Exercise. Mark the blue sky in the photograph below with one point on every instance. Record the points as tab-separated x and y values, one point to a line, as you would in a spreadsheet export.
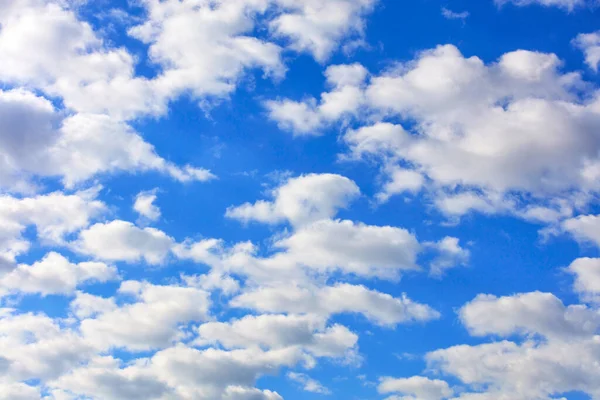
291	199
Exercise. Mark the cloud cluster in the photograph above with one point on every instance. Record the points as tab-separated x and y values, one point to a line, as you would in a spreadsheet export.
201	48
539	348
483	137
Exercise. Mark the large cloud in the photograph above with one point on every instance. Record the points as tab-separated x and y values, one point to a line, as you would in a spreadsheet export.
300	200
518	125
555	351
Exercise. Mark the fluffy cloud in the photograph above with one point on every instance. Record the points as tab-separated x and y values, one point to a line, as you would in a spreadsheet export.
485	130
310	26
585	228
300	200
54	274
587	278
455	145
378	307
528	313
54	215
589	43
450	254
47	46
272	331
93	144
152	321
36	140
181	372
144	205
307	383
122	241
559	353
415	388
309	118
351	247
19	391
202	48
34	346
320	248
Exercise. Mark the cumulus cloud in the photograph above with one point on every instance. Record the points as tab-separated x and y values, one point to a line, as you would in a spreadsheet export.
355	248
589	43
378	307
144	205
34	346
450	255
54	216
309	117
307	383
528	313
415	388
517	125
272	331
36	140
122	241
300	200
557	354
151	321
181	372
585	228
54	274
587	278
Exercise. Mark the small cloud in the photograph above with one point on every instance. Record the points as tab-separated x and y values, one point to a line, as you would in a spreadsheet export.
449	14
308	384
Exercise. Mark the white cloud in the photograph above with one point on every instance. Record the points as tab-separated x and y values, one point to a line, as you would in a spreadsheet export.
566	4
308	384
488	131
317	249
103	379
75	148
54	274
415	388
19	391
449	14
319	27
181	372
300	200
94	144
455	145
55	216
46	46
201	49
450	255
270	331
144	205
122	241
352	248
587	278
378	307
400	180
589	43
558	354
528	313
585	228
86	305
309	118
34	346
152	321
